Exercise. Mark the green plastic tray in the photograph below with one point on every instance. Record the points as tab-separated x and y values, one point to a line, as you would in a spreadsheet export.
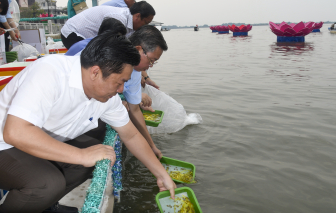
174	162
152	123
189	191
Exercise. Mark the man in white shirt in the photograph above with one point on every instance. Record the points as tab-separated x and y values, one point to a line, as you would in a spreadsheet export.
86	24
150	43
51	102
129	4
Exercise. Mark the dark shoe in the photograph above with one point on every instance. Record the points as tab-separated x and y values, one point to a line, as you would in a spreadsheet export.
58	208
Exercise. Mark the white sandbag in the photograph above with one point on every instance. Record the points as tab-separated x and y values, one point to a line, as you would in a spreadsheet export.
25	51
175	117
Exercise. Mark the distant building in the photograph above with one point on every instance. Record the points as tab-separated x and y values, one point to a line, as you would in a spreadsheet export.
31	2
50	5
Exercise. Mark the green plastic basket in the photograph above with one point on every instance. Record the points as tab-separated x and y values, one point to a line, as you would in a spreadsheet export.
189	191
174	162
153	123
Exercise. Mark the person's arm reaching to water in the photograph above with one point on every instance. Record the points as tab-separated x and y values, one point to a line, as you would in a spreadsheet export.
139	122
138	146
146	103
148	80
34	141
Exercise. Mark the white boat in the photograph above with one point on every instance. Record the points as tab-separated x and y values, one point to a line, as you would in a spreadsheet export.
332	30
157	24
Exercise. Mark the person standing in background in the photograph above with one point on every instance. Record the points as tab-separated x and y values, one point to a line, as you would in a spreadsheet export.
124	4
86	24
7	22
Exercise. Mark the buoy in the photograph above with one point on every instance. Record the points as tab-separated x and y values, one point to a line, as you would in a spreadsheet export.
242	30
291	32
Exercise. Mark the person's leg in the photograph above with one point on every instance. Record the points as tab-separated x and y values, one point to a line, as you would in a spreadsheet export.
70	40
34	184
77	174
99	132
73	174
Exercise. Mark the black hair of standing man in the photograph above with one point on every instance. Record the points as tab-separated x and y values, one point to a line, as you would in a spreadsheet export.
110	52
143	8
112	25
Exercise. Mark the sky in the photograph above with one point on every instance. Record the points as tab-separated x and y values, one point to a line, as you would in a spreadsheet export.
215	12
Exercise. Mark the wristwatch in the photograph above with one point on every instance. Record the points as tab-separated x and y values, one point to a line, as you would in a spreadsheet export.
146	77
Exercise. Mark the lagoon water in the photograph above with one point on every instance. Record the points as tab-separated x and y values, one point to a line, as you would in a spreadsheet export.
268	138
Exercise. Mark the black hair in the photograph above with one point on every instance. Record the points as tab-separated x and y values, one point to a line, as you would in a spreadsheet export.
112	25
4	6
110	52
143	8
149	38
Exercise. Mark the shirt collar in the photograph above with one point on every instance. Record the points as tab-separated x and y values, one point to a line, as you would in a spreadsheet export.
75	79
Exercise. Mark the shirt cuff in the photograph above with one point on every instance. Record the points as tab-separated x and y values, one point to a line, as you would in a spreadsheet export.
25	115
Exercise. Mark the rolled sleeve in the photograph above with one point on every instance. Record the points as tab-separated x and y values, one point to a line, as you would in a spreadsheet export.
3	19
116	115
132	88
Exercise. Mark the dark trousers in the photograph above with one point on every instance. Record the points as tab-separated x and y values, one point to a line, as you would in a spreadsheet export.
6	38
35	184
99	132
70	40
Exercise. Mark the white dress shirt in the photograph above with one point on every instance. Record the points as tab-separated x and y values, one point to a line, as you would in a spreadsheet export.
86	24
49	94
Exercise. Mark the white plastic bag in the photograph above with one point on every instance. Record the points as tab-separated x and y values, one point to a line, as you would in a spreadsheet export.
50	41
54	45
175	117
25	51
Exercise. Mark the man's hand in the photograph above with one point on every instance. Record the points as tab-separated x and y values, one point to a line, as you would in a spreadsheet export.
13	35
96	153
157	152
126	105
146	103
152	83
2	31
139	147
146	108
143	82
18	35
167	184
146	100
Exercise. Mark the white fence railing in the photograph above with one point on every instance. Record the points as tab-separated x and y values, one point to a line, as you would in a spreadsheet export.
49	28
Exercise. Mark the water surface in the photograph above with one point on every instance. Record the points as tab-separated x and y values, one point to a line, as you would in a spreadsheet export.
267	142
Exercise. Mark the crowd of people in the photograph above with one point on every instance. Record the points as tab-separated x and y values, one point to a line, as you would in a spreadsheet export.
53	114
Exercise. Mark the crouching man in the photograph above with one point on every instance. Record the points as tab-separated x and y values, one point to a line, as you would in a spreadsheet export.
47	106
